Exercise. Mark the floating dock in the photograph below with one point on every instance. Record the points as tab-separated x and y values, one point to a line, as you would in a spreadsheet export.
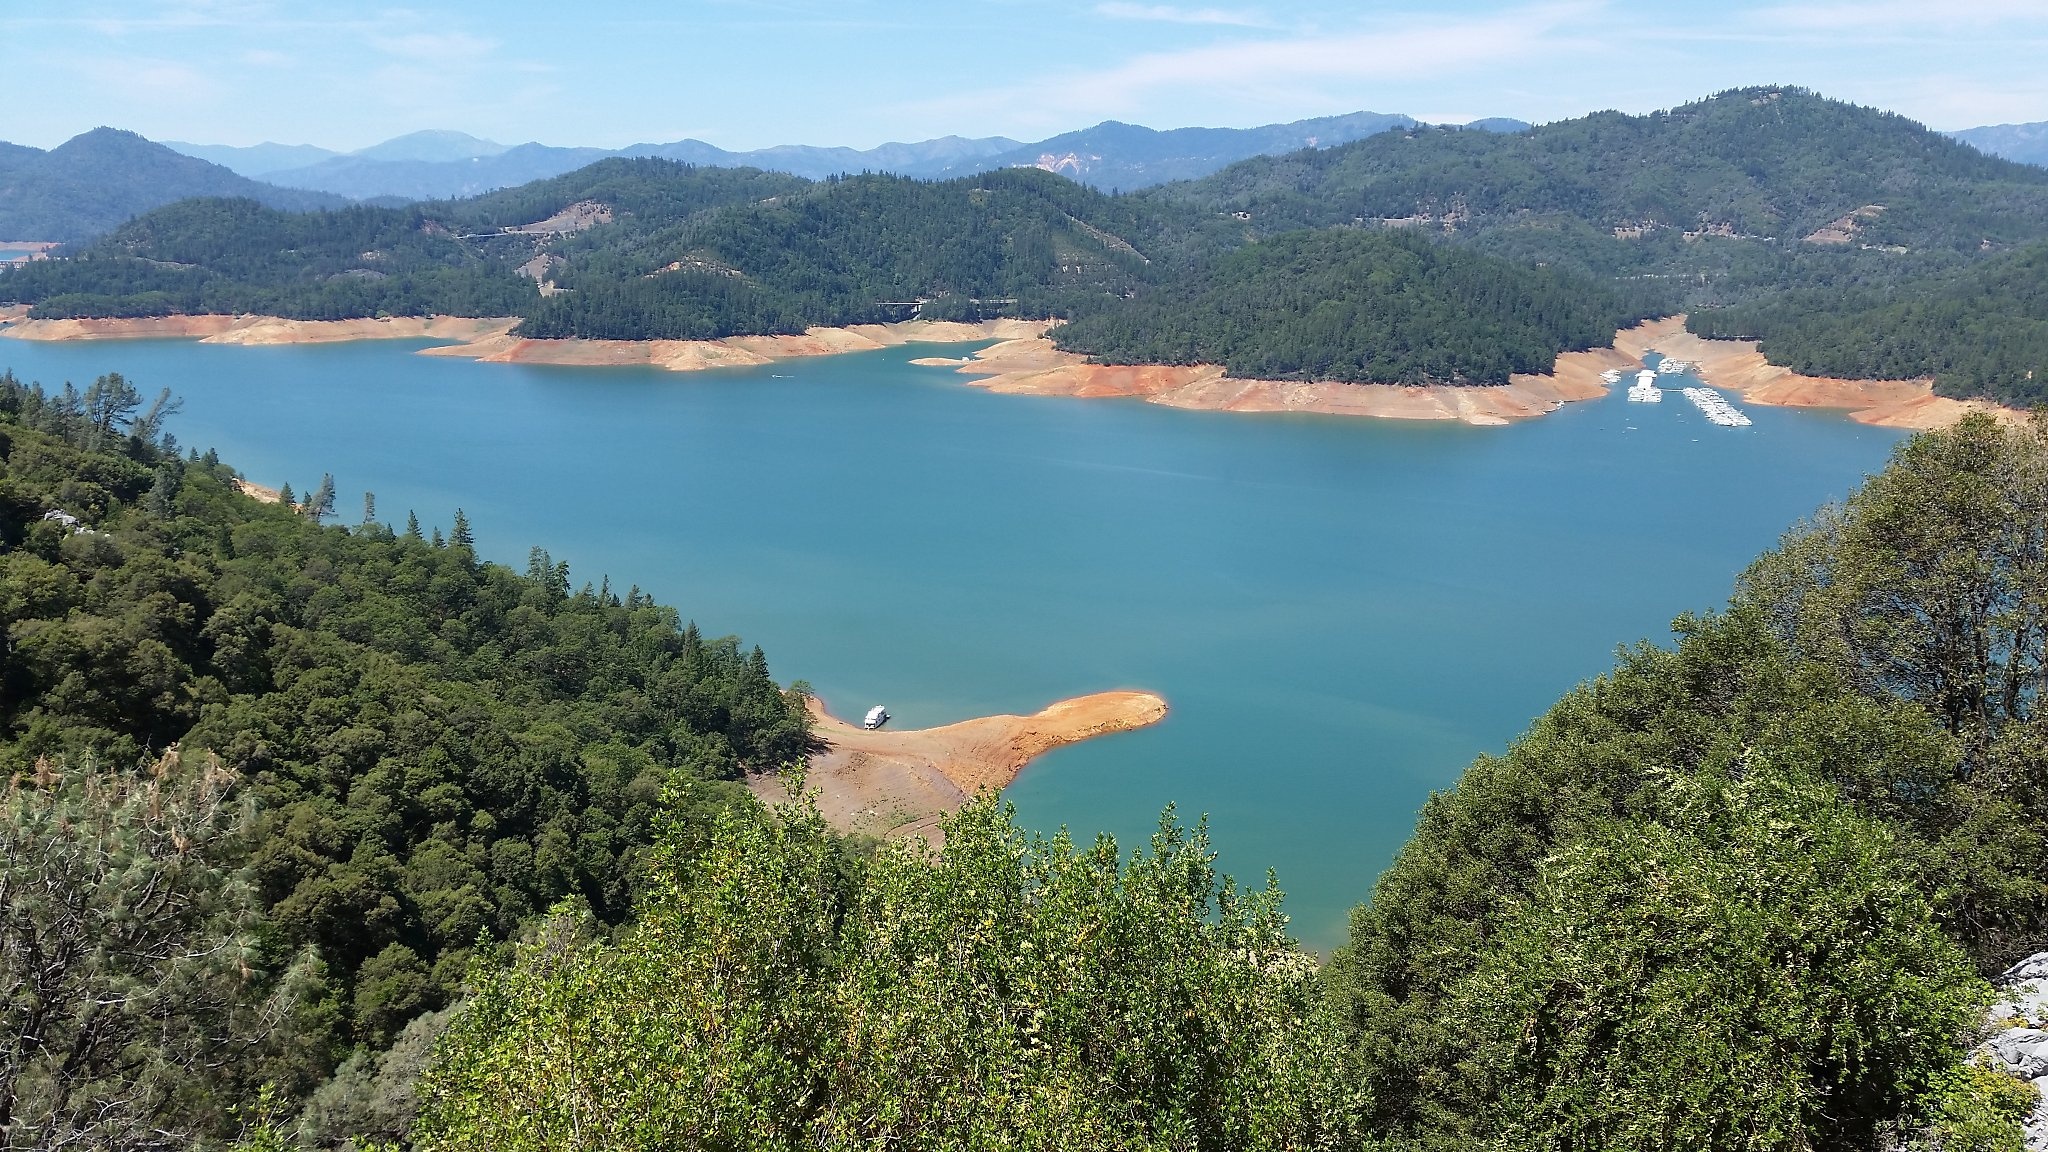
1717	408
1645	390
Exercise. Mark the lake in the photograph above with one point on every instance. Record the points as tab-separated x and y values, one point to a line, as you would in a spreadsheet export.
1342	612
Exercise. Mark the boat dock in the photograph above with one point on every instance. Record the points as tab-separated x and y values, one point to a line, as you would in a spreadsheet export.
1716	408
1645	390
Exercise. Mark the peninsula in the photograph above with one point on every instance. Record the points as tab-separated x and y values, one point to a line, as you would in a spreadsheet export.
899	782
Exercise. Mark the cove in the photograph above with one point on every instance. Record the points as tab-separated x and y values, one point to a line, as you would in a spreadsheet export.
1342	612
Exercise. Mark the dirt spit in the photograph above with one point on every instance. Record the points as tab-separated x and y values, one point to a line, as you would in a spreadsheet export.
1034	367
899	782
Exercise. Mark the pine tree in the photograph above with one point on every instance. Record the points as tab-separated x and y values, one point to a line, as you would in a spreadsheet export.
285	497
412	526
438	542
369	508
458	534
320	505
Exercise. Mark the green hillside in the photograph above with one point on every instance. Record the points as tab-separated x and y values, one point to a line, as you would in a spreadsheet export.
1979	329
1345	304
426	751
1776	164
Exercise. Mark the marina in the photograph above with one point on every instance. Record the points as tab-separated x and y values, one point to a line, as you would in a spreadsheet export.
1645	390
1717	408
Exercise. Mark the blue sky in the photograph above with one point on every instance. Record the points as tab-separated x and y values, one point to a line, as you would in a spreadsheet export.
858	72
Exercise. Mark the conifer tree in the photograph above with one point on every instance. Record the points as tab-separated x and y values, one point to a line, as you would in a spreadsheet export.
412	526
285	497
458	533
320	505
369	508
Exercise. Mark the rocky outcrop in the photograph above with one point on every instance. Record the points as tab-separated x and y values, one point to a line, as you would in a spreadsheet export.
2021	1042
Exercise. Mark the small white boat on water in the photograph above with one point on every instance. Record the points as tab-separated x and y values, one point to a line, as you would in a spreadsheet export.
876	717
1611	376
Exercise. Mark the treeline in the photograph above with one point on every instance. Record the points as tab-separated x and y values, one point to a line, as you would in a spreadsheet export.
1978	331
1764	162
1351	305
851	250
237	256
383	751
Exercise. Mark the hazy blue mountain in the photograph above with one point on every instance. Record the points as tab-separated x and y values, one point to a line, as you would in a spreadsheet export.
925	158
363	177
254	160
433	146
1500	124
99	179
442	165
2026	143
1128	156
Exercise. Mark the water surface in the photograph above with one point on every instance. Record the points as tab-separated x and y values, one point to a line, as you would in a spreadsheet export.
1342	612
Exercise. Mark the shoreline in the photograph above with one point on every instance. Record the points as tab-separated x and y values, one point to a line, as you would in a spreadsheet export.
895	782
1738	366
1022	361
1034	367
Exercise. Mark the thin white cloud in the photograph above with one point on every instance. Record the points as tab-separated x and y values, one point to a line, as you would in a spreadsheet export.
1170	14
1271	73
436	47
1856	21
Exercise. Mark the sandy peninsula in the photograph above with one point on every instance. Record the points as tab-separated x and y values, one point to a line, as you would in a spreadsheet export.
900	782
1739	367
1032	366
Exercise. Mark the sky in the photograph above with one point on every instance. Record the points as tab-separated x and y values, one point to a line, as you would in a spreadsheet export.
744	74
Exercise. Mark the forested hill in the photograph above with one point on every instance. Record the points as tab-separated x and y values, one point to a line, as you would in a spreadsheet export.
859	249
95	181
1978	330
1344	304
1774	163
1793	211
426	751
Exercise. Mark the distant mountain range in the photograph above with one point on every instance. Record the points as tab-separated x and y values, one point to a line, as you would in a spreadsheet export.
2026	143
439	165
96	181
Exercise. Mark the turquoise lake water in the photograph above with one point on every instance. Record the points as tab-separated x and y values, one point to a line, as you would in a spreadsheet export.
1342	612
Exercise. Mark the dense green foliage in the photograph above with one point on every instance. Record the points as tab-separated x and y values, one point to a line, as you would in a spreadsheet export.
854	250
1343	304
1710	206
236	256
130	1020
1788	833
437	748
98	179
1980	330
1776	163
1005	992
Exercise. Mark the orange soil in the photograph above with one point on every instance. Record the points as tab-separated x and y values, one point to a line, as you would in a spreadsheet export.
258	329
733	351
1737	365
896	782
1034	367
